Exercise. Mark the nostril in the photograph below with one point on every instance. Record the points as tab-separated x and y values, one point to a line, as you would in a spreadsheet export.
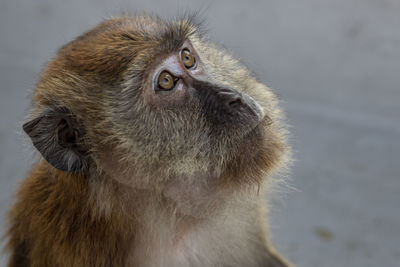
231	99
236	102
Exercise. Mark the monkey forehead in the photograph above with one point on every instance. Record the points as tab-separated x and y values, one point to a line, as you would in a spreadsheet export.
102	55
145	30
121	40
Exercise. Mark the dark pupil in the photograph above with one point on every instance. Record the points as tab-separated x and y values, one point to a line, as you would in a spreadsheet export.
187	58
166	80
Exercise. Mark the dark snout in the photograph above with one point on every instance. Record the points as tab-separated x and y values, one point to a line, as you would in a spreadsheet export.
224	104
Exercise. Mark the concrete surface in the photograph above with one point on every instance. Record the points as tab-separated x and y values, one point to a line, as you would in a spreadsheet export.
336	66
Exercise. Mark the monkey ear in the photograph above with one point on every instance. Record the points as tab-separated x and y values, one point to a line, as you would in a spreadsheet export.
56	136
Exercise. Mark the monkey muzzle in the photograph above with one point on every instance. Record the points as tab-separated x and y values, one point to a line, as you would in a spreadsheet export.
223	104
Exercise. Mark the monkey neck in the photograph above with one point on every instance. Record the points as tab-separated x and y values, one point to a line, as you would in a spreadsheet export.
155	217
199	196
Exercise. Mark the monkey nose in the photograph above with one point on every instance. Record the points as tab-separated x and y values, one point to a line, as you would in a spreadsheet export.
235	101
231	99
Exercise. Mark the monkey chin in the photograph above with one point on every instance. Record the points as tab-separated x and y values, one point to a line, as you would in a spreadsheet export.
256	154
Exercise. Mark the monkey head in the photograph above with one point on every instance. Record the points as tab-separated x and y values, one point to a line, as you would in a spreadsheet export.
150	99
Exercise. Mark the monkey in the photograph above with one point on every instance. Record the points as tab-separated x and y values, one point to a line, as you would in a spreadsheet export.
157	147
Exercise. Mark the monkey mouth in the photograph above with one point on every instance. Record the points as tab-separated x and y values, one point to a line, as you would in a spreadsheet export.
251	114
254	107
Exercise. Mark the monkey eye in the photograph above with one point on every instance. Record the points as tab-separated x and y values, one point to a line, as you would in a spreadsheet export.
166	81
188	59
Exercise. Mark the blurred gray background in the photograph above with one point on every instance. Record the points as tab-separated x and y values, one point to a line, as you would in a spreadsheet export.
335	65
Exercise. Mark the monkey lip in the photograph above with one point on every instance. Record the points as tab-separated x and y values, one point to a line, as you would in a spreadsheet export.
256	117
254	107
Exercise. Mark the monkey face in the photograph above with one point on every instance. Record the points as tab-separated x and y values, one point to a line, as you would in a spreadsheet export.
194	120
181	79
155	97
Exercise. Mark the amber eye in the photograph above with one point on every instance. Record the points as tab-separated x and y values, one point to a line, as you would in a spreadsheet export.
166	81
188	59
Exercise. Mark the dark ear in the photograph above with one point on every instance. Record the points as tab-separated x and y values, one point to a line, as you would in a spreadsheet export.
56	136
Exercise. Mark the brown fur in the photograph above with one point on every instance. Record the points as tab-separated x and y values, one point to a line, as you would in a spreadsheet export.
54	224
145	167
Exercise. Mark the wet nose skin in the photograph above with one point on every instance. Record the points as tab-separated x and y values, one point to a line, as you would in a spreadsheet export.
231	99
223	104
